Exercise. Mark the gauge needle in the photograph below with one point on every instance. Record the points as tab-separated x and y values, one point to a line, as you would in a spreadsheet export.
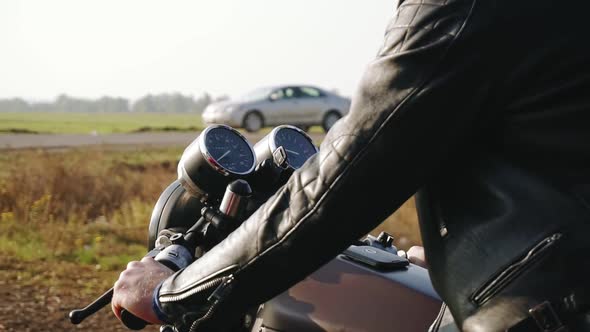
293	152
222	156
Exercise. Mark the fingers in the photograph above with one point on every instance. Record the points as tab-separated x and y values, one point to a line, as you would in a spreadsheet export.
116	309
121	287
416	256
116	306
134	289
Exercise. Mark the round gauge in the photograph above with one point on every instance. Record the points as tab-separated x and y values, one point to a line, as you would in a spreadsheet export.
297	145
229	150
218	156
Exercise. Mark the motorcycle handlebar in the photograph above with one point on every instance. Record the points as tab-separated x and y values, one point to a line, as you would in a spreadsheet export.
180	253
128	319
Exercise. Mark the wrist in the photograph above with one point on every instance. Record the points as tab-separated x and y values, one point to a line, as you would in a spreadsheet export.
157	307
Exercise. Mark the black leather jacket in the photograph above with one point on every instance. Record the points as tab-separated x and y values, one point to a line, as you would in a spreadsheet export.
484	107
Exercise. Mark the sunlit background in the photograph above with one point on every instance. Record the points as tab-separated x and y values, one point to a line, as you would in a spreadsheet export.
134	47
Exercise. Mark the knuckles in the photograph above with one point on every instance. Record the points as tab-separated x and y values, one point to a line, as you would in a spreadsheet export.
133	264
147	260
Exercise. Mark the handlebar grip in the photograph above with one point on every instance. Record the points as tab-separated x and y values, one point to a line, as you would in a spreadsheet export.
131	321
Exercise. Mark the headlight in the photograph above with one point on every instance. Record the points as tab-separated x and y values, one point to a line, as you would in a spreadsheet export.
208	110
231	108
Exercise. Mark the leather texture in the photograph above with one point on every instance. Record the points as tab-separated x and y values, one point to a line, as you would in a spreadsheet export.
511	242
457	86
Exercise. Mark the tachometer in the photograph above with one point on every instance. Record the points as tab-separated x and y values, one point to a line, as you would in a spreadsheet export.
297	144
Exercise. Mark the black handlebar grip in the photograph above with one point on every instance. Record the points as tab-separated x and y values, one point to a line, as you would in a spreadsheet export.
131	321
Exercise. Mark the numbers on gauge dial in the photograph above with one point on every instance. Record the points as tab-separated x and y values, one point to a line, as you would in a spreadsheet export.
229	150
298	147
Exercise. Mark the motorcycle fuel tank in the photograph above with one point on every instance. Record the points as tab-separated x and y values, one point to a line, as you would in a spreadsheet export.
345	295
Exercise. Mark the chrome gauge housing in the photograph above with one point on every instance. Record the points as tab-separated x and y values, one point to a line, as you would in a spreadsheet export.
219	155
297	144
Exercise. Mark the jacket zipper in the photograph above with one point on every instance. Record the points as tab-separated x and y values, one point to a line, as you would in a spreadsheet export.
435	326
215	282
498	283
216	298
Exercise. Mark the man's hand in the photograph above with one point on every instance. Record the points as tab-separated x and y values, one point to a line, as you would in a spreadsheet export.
135	287
416	256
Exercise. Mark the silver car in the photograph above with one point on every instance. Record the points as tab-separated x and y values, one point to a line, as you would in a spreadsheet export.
299	105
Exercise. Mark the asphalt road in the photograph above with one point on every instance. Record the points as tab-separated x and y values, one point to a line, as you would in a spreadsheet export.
52	141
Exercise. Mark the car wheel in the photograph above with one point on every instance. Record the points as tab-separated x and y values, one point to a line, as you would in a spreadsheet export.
253	122
330	119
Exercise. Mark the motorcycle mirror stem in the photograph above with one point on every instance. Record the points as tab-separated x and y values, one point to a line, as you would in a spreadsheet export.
235	199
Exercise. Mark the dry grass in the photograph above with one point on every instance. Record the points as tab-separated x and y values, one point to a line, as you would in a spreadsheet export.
88	206
70	221
93	206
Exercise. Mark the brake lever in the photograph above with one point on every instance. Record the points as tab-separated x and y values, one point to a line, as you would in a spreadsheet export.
130	321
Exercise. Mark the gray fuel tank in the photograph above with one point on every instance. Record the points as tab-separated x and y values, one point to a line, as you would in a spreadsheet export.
345	295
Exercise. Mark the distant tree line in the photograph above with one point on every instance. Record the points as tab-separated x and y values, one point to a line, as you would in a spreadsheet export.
168	103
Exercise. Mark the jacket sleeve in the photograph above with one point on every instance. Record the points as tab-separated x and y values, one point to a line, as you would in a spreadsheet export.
416	104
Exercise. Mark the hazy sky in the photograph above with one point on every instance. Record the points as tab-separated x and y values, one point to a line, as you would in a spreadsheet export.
129	48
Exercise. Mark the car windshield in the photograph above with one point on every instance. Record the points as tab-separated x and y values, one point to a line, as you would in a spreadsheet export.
259	93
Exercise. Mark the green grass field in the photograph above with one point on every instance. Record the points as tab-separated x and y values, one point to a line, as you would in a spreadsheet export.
100	123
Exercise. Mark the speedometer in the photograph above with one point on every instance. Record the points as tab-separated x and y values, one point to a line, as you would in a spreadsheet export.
297	144
228	150
218	156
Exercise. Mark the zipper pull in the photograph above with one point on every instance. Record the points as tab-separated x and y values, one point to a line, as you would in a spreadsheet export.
222	289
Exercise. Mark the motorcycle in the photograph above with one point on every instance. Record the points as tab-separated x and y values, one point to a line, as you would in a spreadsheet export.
222	179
